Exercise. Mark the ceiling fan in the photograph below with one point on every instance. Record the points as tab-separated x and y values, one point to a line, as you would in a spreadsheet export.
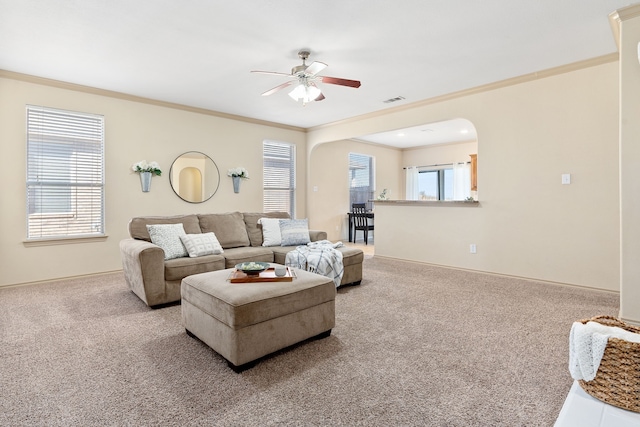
305	78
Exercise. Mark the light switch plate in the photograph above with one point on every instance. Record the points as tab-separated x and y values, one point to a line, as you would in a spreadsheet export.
566	178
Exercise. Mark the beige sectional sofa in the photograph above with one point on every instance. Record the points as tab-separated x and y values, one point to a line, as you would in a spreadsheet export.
157	281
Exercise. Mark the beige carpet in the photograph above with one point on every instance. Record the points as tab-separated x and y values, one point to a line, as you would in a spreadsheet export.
413	345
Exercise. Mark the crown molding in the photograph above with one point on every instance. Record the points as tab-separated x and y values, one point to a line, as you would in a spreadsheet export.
614	22
133	98
376	144
626	13
605	59
403	149
616	17
440	144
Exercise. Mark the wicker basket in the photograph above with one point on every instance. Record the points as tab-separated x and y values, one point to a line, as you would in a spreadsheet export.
617	381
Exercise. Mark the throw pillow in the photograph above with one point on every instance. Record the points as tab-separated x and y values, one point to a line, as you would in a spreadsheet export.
294	232
167	236
254	229
270	231
138	225
201	244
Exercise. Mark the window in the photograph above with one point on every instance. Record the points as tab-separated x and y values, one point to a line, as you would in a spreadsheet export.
65	180
452	183
435	184
361	179
279	176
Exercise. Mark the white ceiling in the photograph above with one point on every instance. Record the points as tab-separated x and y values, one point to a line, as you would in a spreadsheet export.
200	52
450	131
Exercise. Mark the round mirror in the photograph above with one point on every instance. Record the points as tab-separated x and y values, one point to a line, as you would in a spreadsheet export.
194	177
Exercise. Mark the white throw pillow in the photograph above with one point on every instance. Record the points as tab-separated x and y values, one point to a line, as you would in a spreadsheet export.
294	232
167	236
201	244
270	231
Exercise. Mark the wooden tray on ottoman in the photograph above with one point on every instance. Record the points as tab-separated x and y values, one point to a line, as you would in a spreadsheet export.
269	275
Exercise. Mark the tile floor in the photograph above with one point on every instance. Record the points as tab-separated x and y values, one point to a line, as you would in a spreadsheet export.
582	410
368	250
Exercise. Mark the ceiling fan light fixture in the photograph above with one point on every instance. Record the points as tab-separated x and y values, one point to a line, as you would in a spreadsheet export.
306	77
306	93
298	92
313	92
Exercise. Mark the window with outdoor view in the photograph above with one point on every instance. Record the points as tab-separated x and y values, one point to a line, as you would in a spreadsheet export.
361	179
444	183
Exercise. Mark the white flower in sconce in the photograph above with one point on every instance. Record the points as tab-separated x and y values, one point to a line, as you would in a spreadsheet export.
143	166
238	172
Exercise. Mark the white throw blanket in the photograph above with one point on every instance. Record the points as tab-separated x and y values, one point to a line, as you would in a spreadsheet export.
319	257
587	343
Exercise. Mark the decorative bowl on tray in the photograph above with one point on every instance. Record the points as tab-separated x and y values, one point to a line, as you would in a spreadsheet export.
252	267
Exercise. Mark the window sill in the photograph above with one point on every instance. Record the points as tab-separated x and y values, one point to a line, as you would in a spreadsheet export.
64	241
441	203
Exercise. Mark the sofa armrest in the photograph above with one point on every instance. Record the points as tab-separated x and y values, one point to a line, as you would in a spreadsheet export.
316	235
143	265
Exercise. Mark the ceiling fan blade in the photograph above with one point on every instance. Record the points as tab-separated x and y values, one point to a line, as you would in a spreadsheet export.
341	82
274	73
315	68
277	88
320	97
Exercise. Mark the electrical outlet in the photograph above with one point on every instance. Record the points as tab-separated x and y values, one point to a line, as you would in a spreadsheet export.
472	248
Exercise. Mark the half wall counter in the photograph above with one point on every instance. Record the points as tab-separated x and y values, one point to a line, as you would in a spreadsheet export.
434	232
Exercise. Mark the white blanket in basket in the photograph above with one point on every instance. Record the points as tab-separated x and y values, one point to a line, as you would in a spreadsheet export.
320	257
587	343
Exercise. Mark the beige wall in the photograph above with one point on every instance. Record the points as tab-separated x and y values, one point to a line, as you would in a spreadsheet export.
527	224
329	172
133	131
439	154
630	164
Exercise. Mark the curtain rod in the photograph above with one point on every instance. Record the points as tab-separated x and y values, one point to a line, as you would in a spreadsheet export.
437	164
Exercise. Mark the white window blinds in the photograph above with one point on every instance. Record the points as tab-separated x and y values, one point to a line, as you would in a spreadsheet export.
65	179
279	177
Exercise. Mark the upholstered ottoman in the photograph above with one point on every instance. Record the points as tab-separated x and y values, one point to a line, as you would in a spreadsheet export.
246	321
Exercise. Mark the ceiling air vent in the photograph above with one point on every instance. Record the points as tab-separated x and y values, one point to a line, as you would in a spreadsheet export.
390	100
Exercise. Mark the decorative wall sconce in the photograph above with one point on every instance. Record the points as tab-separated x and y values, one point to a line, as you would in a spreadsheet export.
237	174
146	171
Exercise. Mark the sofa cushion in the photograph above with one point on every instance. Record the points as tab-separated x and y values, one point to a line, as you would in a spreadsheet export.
294	232
350	256
167	236
229	228
138	225
234	256
201	244
179	268
254	230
